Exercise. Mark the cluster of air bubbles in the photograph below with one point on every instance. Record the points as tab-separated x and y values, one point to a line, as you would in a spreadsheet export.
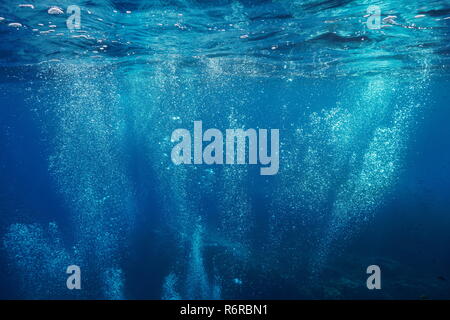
38	255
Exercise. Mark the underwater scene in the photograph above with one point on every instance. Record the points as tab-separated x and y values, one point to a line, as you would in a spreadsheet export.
227	149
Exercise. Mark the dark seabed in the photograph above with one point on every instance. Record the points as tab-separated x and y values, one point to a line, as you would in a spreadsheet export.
87	179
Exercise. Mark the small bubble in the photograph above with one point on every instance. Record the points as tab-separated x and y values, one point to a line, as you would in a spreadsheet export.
15	25
26	6
55	10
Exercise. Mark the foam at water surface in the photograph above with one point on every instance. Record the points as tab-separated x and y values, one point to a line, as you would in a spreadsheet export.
278	38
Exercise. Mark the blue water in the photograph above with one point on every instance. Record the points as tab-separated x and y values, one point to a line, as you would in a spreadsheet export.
86	117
